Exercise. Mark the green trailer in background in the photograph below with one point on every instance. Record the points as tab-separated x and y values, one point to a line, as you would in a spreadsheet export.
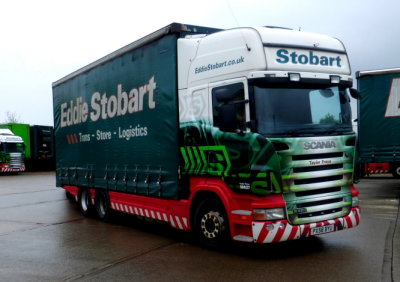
39	144
379	120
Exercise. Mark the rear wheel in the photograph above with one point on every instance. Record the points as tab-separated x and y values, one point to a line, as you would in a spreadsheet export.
211	224
84	202
395	168
102	204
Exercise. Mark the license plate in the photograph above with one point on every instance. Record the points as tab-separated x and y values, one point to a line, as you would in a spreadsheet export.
322	229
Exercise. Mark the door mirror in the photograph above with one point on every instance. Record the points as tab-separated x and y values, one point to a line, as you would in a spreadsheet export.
354	93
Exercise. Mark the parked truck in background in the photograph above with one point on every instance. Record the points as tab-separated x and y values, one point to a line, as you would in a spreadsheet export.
379	121
243	133
11	152
39	144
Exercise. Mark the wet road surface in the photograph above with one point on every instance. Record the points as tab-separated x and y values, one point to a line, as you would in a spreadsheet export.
43	237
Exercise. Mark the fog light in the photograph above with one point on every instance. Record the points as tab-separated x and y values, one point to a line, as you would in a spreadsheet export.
270	227
282	225
269	214
294	77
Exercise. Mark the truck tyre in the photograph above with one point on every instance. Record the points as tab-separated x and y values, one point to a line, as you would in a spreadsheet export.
84	202
395	168
102	204
211	224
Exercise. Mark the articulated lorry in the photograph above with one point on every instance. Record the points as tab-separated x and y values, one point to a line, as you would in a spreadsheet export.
379	121
11	152
39	144
240	134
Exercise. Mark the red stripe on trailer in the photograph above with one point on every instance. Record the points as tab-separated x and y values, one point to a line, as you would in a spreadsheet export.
73	190
169	211
377	168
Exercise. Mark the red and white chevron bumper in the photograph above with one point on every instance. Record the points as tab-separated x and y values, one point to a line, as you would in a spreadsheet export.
278	231
12	169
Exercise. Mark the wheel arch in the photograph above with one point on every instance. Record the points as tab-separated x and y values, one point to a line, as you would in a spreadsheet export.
216	190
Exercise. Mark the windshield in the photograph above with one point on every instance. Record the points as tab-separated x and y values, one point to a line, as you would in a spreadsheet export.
301	111
12	147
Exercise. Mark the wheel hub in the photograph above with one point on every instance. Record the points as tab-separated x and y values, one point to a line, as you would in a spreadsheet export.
211	224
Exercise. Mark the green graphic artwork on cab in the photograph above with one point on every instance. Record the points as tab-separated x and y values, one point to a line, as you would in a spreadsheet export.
246	162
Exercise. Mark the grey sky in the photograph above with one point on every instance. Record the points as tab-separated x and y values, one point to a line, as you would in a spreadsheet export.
42	41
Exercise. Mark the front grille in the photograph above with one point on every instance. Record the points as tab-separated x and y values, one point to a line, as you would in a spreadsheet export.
313	209
317	186
318	192
320	213
317	203
317	156
15	160
318	180
316	168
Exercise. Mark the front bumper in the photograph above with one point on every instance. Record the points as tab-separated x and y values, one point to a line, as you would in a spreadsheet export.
12	169
281	230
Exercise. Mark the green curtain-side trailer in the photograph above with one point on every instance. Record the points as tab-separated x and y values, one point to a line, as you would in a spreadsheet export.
131	132
379	118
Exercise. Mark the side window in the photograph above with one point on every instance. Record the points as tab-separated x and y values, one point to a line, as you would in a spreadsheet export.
228	104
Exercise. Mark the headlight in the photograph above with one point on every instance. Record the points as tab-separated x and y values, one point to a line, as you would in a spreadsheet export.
356	202
269	214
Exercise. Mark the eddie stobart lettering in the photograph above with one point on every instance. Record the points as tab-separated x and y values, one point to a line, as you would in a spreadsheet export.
218	65
310	58
105	106
313	145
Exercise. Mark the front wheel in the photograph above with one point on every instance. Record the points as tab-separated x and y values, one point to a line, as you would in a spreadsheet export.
211	224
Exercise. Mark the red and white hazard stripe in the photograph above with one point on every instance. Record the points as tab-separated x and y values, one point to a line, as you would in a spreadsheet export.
377	168
378	171
267	232
174	220
11	169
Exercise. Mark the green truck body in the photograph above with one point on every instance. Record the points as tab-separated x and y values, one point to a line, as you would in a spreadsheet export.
243	132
